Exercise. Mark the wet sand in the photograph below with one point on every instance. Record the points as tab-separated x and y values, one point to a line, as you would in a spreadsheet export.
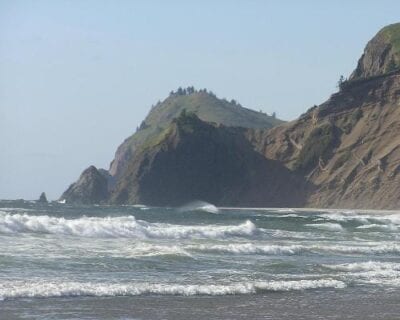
319	304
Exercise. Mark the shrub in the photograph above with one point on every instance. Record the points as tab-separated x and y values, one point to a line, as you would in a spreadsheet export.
317	144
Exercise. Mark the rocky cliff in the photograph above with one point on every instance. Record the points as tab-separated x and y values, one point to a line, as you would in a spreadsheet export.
194	160
349	146
91	188
343	153
381	55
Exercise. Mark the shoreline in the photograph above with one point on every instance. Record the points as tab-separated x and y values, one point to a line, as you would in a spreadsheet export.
352	304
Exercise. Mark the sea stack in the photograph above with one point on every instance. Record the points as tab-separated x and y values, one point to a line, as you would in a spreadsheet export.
42	198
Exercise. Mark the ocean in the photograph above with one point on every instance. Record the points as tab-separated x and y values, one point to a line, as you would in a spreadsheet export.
60	261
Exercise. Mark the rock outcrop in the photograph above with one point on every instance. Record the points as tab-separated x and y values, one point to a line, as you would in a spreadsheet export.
91	188
42	199
381	55
194	160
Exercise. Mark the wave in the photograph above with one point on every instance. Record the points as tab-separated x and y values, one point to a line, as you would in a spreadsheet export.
118	227
367	249
365	266
41	289
271	249
142	249
383	227
370	272
328	226
199	206
384	218
248	248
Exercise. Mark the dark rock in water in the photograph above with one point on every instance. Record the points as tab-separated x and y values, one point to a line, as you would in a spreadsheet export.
42	198
91	188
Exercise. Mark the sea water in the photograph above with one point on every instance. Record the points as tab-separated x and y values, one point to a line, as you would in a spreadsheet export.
135	262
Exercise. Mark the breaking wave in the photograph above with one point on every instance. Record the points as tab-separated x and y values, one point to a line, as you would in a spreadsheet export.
127	227
382	227
19	289
365	266
386	219
274	249
248	248
370	272
366	249
199	206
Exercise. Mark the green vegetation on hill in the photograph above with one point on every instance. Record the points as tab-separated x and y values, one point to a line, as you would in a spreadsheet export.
205	104
381	57
208	107
391	34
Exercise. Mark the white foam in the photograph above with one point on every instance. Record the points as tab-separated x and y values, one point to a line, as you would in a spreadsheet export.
370	272
328	226
383	218
286	210
199	206
362	249
384	227
248	248
365	266
16	289
143	249
273	249
126	226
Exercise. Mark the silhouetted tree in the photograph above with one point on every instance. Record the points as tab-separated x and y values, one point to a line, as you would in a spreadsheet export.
190	90
342	82
143	125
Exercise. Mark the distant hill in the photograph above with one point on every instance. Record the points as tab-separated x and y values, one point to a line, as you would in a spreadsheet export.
205	104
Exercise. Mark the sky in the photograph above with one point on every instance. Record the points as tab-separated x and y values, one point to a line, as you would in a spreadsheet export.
77	77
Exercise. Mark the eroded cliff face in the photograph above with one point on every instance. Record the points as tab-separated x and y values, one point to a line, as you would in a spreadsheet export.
348	147
195	160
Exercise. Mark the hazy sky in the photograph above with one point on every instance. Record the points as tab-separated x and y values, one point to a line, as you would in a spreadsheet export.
77	77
